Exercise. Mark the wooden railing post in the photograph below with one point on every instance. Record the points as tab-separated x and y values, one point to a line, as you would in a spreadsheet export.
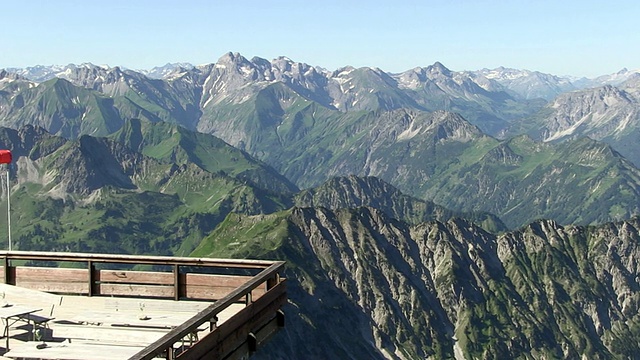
273	281
170	354
176	282
252	342
91	268
7	270
213	323
280	318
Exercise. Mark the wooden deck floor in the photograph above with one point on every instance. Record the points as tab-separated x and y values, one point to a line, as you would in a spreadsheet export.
96	327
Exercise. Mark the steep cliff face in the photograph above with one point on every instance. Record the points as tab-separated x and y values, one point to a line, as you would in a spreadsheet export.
365	286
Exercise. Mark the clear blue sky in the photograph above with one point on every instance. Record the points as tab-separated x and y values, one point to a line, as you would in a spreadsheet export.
571	37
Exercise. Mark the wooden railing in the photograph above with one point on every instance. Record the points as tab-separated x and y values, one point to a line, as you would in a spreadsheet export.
241	334
255	283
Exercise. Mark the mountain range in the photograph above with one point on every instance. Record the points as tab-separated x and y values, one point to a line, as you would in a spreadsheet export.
255	94
424	214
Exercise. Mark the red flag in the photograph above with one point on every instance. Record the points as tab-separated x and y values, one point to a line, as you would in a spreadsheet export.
5	157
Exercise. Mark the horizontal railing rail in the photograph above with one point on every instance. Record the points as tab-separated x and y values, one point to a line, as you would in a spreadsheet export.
133	259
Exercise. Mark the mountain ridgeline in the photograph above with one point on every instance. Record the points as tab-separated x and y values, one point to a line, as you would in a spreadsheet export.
426	214
374	287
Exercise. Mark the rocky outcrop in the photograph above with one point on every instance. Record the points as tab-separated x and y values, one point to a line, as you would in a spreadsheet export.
364	285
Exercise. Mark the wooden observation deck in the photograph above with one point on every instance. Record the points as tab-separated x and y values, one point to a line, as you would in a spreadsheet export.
100	306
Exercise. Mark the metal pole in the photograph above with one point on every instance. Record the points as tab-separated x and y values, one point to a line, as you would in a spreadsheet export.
8	208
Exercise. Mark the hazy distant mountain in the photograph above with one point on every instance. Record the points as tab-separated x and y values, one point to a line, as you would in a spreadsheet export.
607	79
59	107
482	101
196	96
191	96
529	84
12	83
607	113
166	71
95	101
41	73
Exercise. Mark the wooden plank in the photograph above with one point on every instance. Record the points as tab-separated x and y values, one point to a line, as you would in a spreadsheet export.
134	290
193	286
17	294
268	331
135	277
46	274
131	319
56	287
108	334
71	351
127	304
206	286
215	293
204	293
240	353
233	281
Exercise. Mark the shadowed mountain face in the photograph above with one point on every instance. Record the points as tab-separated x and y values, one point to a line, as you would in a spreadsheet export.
373	287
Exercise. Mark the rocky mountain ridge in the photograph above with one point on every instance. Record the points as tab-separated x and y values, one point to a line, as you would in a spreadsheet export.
378	288
235	97
526	83
607	113
234	79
